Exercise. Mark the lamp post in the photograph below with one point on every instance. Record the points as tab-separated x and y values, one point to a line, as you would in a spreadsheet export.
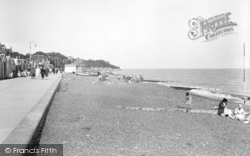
30	47
244	74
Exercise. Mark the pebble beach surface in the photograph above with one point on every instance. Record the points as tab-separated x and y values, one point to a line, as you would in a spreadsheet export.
84	118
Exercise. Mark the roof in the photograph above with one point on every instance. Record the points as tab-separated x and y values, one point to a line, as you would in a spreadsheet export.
70	65
38	57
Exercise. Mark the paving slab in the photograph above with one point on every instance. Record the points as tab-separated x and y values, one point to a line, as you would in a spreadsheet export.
18	97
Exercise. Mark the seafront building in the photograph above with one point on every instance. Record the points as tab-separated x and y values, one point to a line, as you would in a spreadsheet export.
70	68
9	66
40	60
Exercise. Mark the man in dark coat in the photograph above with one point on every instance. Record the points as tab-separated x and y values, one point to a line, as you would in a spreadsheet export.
42	72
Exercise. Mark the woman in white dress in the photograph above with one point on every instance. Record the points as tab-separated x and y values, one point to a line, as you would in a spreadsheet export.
240	113
38	71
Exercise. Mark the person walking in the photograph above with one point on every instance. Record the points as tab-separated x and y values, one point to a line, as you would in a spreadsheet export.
42	72
46	72
38	71
32	72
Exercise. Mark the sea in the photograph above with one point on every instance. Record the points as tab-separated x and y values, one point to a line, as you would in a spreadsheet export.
211	83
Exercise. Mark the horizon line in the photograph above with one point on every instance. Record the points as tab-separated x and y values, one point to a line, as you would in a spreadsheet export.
180	68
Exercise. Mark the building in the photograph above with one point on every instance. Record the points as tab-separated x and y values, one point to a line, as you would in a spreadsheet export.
70	68
40	60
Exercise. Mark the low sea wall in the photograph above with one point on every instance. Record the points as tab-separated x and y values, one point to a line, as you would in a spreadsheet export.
27	132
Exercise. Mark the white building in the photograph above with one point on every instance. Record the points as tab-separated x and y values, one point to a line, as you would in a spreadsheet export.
70	68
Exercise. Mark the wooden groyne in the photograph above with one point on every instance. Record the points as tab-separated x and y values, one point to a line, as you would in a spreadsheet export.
180	109
155	81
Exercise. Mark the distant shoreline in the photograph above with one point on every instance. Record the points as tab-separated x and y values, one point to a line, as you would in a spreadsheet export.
209	83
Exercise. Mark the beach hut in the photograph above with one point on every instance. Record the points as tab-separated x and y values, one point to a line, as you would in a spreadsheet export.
3	68
8	65
21	63
12	65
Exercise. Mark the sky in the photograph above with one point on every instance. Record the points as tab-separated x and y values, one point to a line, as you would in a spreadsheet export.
134	34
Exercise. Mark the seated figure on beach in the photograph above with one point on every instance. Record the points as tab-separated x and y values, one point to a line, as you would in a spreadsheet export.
228	113
222	106
223	110
240	113
188	98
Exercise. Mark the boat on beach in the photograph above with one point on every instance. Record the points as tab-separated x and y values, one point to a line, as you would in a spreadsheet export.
210	93
87	74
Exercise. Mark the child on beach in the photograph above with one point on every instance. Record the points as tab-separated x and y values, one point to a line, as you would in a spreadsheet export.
188	98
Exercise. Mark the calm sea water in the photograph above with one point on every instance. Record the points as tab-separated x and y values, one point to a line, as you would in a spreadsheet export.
229	81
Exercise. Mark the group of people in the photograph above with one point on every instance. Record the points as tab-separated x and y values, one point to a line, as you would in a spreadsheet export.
35	72
132	79
239	112
39	71
102	78
128	79
18	73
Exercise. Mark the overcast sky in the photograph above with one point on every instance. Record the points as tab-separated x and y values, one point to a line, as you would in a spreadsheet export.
127	33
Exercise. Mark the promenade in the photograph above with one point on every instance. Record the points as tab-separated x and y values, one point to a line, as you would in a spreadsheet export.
18	97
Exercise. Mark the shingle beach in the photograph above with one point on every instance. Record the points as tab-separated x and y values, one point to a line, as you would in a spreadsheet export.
90	119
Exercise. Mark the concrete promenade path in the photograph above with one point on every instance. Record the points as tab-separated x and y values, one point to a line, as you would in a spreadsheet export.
17	97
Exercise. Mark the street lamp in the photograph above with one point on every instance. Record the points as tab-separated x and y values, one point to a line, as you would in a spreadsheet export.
30	47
